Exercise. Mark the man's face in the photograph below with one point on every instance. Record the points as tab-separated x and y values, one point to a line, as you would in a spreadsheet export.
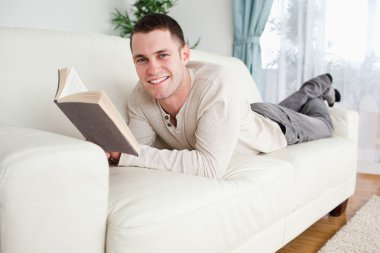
160	62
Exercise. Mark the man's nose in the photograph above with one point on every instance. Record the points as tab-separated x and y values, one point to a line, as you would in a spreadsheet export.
153	67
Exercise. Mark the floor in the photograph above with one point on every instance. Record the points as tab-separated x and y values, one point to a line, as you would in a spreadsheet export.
320	232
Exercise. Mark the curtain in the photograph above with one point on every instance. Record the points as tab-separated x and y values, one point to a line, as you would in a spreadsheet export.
305	38
250	17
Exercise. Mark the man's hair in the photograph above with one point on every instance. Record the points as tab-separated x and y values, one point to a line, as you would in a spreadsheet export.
157	21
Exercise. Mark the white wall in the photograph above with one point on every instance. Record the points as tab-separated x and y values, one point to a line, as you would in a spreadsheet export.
70	15
211	20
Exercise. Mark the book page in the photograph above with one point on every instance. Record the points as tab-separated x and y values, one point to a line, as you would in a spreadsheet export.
73	84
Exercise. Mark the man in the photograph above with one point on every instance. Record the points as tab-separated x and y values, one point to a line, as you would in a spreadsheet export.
196	110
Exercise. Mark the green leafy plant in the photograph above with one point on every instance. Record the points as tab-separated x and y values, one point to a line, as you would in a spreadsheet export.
195	45
140	8
125	22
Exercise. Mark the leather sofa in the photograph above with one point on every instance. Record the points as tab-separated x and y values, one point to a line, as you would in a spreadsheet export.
58	194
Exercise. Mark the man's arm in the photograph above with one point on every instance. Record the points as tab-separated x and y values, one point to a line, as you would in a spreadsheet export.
139	126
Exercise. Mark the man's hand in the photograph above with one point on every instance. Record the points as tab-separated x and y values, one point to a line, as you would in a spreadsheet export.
113	158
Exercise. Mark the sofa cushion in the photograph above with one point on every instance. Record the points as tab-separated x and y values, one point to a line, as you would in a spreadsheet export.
328	162
150	209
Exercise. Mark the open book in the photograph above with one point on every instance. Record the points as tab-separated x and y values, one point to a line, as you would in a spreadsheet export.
93	114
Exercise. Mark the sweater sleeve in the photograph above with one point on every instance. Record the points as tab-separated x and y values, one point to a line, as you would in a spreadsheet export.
138	124
216	135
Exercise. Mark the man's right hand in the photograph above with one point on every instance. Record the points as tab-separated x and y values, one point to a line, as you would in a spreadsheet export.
113	158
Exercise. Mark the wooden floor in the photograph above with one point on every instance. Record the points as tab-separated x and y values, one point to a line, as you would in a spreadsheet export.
320	232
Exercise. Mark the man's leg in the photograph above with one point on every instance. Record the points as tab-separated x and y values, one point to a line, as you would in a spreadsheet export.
317	109
296	126
303	116
314	88
313	121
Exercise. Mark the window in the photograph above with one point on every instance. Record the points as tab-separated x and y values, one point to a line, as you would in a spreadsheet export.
305	38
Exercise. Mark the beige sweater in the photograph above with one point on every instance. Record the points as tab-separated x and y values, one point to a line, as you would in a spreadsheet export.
213	123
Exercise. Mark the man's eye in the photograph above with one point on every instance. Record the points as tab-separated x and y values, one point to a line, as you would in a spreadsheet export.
140	60
163	55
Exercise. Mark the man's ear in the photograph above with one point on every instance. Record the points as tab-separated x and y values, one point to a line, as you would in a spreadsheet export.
185	54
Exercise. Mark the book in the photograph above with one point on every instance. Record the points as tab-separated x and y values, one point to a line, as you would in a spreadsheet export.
93	114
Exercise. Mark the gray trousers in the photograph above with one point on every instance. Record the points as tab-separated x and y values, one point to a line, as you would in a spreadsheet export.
303	116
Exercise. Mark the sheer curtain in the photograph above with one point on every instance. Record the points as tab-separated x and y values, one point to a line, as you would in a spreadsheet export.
305	38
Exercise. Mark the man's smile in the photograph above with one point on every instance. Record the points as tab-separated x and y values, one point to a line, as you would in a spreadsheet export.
158	80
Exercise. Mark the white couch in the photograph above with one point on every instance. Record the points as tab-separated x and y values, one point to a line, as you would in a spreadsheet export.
57	193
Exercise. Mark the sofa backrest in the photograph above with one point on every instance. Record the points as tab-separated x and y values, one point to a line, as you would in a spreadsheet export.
29	63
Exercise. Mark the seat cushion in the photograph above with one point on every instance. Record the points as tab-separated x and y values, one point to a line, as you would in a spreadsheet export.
156	211
319	165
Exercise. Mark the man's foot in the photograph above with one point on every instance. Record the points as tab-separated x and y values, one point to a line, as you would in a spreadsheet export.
332	96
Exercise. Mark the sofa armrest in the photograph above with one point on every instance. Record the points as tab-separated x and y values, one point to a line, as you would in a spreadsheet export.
346	123
53	193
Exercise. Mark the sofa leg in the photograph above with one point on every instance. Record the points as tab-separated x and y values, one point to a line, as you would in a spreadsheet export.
339	210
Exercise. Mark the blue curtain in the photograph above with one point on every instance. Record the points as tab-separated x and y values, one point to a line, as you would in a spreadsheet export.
250	17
